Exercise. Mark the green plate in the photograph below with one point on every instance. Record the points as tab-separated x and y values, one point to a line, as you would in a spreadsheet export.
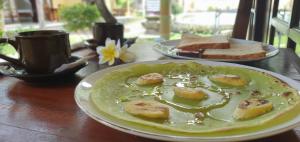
101	102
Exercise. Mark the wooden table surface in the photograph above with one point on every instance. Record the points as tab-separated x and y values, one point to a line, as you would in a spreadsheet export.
47	111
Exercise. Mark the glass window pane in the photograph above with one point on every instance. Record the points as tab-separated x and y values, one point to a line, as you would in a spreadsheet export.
285	10
203	17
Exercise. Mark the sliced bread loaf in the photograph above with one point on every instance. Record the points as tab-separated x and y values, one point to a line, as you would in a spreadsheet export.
191	42
237	51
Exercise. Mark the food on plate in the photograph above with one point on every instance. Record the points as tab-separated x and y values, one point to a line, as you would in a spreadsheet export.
236	51
228	79
186	53
219	47
251	108
174	106
150	78
191	42
147	109
190	93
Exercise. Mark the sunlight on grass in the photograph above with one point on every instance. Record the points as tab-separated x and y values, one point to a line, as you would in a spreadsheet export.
7	49
175	36
76	38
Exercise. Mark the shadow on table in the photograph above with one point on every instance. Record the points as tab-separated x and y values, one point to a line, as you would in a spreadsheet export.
290	136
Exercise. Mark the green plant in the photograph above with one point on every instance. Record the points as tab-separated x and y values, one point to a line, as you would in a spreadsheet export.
6	48
122	3
1	17
79	16
176	8
211	8
2	4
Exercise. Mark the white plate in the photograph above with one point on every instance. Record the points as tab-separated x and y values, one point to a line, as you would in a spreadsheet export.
82	97
168	48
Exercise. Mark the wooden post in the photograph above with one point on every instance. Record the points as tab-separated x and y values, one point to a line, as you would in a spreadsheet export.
261	26
165	19
128	7
242	19
40	13
13	11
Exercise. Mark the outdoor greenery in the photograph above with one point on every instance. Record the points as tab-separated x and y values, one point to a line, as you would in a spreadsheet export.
6	48
122	3
79	16
176	8
1	17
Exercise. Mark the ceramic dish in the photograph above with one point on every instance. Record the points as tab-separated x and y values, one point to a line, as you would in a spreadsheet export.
83	99
13	71
168	48
92	43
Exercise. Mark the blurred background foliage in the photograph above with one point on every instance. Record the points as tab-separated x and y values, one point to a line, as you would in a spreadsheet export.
79	16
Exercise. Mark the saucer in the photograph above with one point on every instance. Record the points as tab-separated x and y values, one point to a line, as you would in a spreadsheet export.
92	43
13	71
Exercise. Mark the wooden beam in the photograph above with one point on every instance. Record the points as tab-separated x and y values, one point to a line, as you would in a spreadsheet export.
165	19
40	13
262	14
294	34
34	11
274	14
294	22
280	25
242	19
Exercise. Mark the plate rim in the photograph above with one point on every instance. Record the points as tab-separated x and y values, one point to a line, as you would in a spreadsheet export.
268	54
242	137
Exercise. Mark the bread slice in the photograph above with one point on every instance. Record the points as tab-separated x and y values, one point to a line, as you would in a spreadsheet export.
237	51
191	42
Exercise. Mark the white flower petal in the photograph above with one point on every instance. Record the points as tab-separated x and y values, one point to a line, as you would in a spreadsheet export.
111	62
117	53
128	57
119	45
98	49
107	41
102	60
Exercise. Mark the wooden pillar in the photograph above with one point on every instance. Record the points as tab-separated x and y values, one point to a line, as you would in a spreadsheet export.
128	7
13	11
274	14
242	19
165	19
34	11
295	18
40	13
144	7
262	16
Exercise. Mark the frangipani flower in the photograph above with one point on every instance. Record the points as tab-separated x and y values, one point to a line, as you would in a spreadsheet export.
126	56
112	51
109	52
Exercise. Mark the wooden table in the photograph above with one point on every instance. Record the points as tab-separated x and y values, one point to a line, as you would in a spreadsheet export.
47	112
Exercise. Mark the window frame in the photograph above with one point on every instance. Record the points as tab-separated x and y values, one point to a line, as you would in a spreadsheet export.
291	28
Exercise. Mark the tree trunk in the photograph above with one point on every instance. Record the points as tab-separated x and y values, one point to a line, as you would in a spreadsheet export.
108	17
